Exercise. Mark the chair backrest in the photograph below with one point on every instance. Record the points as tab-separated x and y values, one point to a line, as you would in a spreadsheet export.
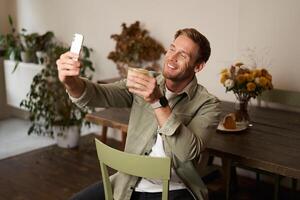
284	97
135	165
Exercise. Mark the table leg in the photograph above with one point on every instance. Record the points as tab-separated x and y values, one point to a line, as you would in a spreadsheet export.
124	135
104	134
257	179
294	184
277	186
294	188
210	160
226	168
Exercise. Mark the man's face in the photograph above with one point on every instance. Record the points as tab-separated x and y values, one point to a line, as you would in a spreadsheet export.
179	62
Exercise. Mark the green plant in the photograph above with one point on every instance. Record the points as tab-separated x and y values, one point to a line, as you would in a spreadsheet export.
48	103
14	43
43	41
11	43
134	47
34	42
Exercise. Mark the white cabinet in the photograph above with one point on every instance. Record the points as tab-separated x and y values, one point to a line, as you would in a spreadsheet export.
17	84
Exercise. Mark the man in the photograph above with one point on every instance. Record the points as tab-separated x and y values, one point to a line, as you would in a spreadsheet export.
171	115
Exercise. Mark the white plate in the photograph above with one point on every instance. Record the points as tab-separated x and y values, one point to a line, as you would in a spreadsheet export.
239	127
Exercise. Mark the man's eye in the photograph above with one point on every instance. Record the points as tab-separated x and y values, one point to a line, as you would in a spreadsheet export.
182	55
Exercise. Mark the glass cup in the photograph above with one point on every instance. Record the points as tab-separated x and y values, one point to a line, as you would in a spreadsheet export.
137	70
132	71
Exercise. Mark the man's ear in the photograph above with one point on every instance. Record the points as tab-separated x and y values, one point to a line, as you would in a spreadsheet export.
199	67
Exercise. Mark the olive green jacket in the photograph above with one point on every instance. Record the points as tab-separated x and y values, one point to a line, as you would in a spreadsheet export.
194	116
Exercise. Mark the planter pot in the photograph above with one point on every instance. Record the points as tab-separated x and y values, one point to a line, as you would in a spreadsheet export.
67	137
26	56
17	84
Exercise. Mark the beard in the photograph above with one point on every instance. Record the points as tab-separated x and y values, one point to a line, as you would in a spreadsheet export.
178	75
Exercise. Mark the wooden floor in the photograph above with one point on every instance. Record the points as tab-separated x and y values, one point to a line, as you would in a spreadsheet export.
53	173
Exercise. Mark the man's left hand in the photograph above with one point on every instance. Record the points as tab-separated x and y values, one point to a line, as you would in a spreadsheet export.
144	86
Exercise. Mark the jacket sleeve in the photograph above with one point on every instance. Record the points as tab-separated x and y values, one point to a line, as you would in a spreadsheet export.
186	142
104	95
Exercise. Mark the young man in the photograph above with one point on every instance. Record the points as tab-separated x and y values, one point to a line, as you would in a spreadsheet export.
171	115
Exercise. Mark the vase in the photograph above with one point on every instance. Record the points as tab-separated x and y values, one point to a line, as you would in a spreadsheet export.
26	56
67	137
241	113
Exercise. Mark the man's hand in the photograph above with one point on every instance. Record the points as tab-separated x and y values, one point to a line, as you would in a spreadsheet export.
68	67
68	73
144	86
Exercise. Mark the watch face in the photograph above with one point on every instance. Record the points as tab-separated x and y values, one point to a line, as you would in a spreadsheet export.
163	101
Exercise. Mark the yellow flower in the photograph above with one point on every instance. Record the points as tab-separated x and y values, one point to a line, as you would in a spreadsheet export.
240	79
256	73
251	86
224	71
263	82
249	77
264	72
269	85
224	77
269	77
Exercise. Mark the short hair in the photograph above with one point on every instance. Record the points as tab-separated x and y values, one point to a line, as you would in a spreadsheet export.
203	43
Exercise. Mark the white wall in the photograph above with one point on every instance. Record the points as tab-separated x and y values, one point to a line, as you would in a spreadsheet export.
230	25
97	20
273	28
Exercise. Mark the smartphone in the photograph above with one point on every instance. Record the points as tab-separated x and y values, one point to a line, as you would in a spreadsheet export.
76	43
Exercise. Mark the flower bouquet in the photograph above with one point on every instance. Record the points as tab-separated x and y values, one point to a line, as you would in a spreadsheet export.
245	83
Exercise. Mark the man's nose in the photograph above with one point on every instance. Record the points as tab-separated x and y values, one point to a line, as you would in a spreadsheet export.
174	56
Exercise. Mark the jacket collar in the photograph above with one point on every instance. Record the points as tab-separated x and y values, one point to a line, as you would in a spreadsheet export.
189	90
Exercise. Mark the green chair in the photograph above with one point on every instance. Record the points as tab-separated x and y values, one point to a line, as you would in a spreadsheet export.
135	165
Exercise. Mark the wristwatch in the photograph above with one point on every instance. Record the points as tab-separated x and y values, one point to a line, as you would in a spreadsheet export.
162	102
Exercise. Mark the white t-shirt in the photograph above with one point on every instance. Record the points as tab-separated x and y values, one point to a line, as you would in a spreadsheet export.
150	185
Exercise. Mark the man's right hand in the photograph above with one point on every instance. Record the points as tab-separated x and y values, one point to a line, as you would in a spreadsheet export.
68	68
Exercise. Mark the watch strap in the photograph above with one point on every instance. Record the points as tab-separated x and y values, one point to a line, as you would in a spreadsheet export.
162	102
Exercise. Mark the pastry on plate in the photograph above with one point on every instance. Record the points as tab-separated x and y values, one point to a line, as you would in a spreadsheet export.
229	121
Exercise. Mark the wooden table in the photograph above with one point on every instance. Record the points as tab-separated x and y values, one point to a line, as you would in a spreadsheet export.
112	117
272	144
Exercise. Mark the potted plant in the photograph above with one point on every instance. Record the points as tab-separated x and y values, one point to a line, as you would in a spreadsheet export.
11	43
28	42
20	47
246	83
50	108
135	48
34	46
41	46
24	46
